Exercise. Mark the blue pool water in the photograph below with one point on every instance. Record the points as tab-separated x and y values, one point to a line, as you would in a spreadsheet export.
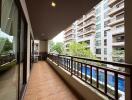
110	78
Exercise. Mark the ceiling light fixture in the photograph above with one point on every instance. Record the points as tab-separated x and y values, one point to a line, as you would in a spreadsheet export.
53	4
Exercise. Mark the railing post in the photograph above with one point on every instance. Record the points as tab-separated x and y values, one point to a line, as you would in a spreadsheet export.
58	60
71	65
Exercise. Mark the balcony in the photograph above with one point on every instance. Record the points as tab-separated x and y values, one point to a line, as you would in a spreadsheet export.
89	30
115	21
79	33
93	73
90	22
70	37
118	44
89	15
45	84
119	31
69	33
116	9
80	27
112	2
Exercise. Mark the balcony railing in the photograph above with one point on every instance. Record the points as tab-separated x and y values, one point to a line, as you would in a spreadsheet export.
95	73
6	58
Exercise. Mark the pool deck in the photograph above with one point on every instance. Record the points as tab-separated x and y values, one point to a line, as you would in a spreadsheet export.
45	84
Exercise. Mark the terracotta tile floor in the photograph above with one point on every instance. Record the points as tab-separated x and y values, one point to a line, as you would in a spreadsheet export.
45	84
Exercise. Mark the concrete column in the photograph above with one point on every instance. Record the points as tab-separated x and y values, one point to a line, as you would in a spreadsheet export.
128	45
28	53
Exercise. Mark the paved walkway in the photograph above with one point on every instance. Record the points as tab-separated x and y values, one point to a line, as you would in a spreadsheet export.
45	84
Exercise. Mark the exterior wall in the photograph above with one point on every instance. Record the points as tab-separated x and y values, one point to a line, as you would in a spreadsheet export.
43	46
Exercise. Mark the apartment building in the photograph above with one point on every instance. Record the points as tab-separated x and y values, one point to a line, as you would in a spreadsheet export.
117	29
69	36
86	30
103	38
102	29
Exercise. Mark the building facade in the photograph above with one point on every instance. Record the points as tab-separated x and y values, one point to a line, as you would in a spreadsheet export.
117	29
86	30
102	29
69	36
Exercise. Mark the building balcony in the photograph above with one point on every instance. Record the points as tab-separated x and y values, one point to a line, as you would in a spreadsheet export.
69	38
89	23
90	74
89	15
112	2
79	33
115	21
116	9
45	84
118	44
91	30
79	21
68	34
80	27
119	31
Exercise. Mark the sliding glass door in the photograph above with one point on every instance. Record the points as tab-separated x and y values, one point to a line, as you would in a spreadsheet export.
13	51
9	51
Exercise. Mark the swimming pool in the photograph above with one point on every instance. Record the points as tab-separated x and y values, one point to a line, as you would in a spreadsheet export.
110	78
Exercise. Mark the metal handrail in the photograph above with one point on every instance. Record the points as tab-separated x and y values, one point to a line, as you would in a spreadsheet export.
79	69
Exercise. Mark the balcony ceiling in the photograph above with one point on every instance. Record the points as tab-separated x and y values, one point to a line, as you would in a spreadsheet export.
48	21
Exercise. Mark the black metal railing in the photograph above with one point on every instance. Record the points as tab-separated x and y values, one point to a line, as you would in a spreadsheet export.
6	58
96	73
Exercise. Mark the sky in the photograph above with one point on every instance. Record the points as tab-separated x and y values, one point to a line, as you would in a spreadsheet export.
59	37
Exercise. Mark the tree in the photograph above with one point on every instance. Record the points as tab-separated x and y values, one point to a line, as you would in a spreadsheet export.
57	48
50	45
2	43
8	46
80	50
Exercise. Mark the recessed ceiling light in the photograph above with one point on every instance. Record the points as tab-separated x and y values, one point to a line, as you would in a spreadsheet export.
9	18
53	4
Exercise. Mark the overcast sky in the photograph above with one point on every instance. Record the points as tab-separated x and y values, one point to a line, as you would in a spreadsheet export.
59	37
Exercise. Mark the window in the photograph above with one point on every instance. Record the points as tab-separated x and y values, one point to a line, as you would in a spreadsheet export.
105	33
106	23
105	42
105	59
9	49
98	43
120	26
98	10
98	51
98	19
120	39
105	51
98	34
120	16
106	5
98	26
106	14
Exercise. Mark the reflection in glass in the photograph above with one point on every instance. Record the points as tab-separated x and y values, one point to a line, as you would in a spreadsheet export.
8	51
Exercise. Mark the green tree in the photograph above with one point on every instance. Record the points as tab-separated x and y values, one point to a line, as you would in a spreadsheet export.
8	46
58	48
2	43
80	50
50	46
